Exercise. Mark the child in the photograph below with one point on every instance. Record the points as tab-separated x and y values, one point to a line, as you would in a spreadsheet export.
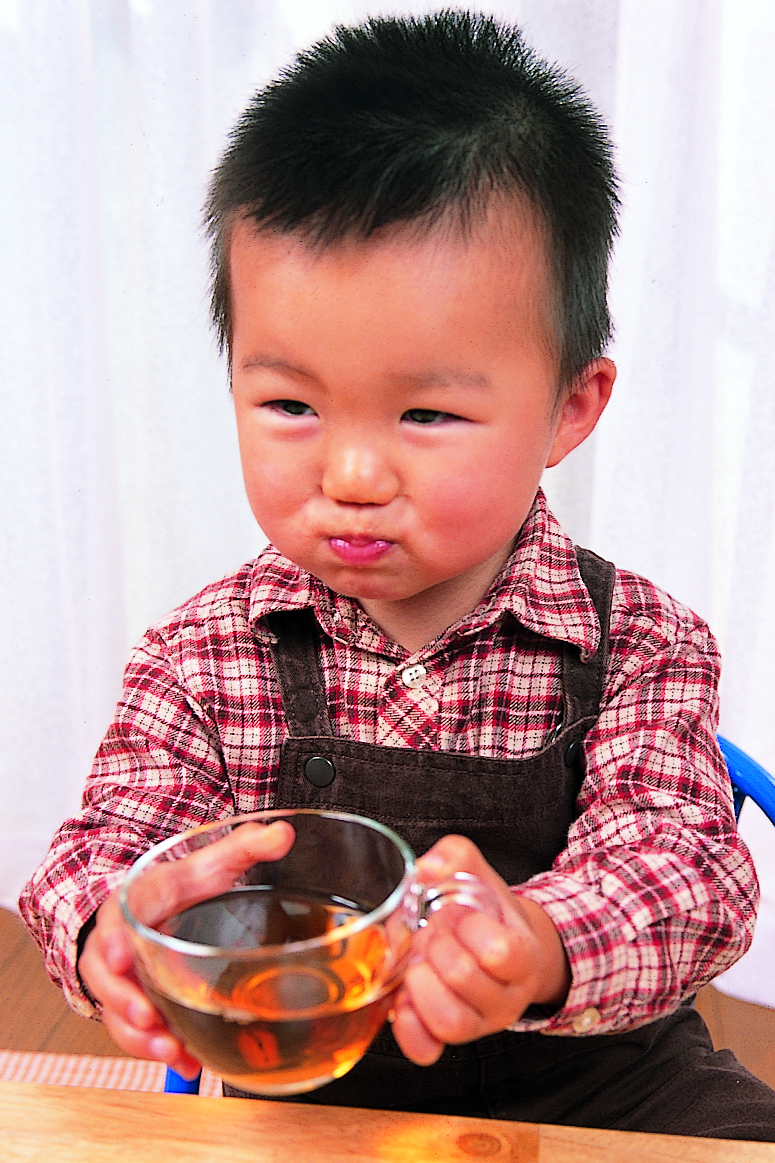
410	236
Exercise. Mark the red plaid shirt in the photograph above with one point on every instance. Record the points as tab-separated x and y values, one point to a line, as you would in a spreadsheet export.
654	895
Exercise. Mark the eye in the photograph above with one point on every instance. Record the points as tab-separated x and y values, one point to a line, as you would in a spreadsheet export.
291	407
426	416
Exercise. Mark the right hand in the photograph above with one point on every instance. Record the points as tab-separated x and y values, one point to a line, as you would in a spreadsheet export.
106	965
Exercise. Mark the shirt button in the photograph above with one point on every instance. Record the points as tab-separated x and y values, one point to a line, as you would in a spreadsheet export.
413	676
586	1021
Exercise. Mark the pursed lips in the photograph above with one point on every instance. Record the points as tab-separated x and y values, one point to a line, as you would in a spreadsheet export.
359	550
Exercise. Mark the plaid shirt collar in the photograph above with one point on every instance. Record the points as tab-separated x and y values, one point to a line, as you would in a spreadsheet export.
540	585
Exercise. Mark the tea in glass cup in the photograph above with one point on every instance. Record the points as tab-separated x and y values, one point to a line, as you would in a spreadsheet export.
280	983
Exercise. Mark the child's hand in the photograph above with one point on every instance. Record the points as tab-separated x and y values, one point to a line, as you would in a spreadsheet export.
106	968
106	965
471	975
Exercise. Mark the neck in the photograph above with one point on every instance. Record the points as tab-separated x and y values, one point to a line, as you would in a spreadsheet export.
407	625
416	621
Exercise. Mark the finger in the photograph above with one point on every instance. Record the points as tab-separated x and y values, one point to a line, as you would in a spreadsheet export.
169	887
458	970
156	1044
502	953
119	994
134	1023
446	1017
453	854
106	967
412	1035
117	953
245	845
185	1065
110	939
525	951
456	854
494	1003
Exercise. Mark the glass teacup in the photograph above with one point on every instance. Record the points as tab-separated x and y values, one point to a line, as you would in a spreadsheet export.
280	983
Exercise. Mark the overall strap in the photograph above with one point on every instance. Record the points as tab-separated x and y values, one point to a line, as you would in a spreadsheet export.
583	682
295	656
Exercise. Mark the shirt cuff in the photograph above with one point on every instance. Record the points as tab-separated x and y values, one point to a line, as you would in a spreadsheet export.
600	945
72	921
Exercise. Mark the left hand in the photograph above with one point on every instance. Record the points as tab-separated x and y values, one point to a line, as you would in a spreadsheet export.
471	975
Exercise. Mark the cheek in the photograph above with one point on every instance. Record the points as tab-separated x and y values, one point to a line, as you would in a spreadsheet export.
459	526
276	501
488	498
273	479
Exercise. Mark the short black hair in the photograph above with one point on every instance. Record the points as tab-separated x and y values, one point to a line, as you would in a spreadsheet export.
403	120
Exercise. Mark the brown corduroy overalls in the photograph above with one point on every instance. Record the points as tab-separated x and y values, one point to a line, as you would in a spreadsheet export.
660	1077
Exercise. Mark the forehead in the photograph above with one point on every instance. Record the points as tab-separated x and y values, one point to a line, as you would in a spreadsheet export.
496	271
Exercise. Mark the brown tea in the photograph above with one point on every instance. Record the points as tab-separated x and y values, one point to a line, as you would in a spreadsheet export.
290	1023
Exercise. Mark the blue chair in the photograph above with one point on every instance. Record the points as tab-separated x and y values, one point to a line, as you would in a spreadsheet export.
175	1084
748	779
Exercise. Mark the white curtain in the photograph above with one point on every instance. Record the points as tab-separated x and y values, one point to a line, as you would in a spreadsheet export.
121	491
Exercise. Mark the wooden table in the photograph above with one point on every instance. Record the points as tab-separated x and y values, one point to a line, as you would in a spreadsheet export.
68	1124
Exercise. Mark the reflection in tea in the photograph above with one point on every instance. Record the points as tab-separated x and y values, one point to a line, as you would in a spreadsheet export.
284	1026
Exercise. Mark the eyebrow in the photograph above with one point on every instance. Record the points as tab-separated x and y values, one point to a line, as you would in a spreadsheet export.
439	379
449	379
266	361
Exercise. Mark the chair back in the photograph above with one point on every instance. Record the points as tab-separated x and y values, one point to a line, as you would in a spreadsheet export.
174	1083
749	778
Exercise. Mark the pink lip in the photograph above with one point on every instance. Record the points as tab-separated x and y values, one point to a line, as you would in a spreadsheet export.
359	550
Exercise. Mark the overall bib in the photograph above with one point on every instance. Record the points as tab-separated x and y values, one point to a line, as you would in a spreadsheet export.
660	1077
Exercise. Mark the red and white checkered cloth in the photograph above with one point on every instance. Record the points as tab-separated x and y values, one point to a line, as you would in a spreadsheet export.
87	1070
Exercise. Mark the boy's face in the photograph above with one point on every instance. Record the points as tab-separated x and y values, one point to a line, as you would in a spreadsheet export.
396	404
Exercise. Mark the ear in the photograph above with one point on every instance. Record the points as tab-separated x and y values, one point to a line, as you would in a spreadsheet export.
582	407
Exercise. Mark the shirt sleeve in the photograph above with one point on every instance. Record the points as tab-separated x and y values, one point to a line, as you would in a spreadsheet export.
159	771
655	893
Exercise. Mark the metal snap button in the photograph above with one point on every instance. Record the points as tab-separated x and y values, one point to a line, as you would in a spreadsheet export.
319	771
572	753
586	1021
414	676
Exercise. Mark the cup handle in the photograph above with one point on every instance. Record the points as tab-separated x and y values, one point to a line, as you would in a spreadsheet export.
462	888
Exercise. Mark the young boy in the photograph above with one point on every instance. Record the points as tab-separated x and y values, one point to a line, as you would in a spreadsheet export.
410	232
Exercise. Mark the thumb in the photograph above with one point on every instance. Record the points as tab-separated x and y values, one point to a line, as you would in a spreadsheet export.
456	854
168	887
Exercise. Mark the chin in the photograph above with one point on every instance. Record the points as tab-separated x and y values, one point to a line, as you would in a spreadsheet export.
353	584
366	583
360	588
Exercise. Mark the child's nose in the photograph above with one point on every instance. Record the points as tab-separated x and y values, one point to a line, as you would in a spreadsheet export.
358	473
